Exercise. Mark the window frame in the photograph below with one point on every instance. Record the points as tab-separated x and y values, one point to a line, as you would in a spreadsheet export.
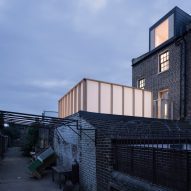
157	34
171	30
144	83
160	92
159	61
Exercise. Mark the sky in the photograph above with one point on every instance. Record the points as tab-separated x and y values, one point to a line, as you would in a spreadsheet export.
47	46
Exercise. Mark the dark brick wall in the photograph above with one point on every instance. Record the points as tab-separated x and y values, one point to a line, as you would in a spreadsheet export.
166	160
97	159
104	159
161	166
155	82
188	76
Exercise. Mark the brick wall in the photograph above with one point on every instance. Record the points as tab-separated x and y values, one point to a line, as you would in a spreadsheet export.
156	82
81	148
104	159
161	166
87	157
188	76
106	154
97	160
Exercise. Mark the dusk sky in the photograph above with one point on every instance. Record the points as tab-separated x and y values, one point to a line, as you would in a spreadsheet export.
47	46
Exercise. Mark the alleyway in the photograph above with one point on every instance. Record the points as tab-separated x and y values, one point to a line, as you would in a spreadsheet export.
14	175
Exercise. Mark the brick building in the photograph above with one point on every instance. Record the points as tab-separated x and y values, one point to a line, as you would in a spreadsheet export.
165	69
127	153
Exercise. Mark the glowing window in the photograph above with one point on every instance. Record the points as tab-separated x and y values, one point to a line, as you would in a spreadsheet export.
141	83
161	33
164	61
164	106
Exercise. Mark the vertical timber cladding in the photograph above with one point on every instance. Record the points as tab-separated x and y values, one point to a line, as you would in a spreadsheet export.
102	97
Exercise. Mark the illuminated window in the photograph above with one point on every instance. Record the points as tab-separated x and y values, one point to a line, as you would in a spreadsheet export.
164	104
162	32
164	61
141	83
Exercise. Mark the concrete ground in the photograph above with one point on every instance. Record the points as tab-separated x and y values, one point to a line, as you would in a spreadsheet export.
14	175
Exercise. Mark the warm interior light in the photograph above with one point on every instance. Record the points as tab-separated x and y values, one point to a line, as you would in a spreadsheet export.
162	33
165	110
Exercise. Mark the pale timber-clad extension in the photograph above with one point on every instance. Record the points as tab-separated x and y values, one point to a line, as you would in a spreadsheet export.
103	97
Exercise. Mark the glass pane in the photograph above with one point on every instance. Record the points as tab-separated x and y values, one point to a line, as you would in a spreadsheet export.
164	61
162	33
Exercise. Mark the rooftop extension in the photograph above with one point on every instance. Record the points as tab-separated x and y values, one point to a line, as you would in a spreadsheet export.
165	31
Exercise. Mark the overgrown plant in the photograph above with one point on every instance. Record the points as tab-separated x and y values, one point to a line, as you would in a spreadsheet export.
1	121
31	139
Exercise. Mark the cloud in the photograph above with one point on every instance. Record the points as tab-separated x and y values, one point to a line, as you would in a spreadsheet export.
48	46
93	5
49	84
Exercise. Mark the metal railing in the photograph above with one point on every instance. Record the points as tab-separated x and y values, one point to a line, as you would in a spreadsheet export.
162	163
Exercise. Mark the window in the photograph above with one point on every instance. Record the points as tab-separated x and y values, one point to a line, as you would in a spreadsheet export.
141	83
164	104
164	61
162	32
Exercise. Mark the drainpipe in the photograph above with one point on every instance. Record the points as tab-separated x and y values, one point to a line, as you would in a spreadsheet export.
182	43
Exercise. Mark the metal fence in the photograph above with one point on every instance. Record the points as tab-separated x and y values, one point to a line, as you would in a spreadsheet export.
165	163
